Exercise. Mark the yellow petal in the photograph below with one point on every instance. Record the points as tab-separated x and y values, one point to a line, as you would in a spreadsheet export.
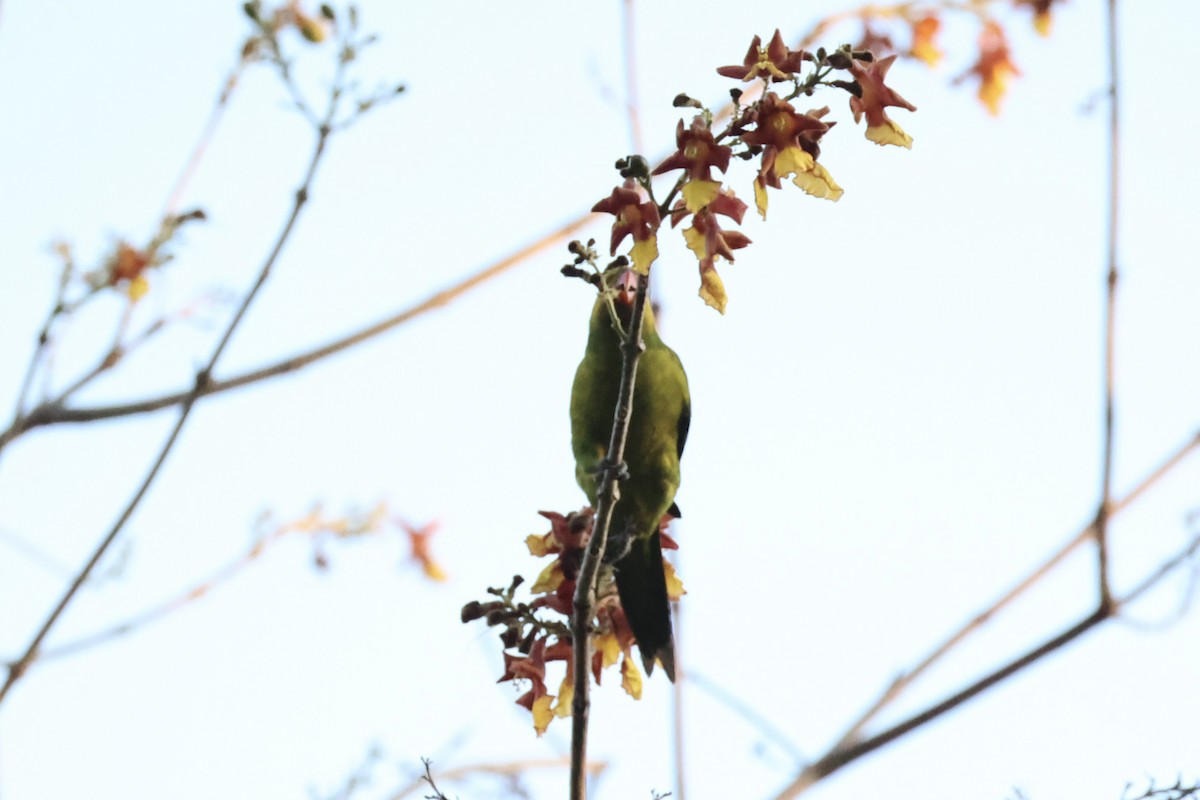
643	255
712	290
609	649
566	693
631	678
1043	22
549	580
542	715
760	197
992	90
137	288
433	571
675	588
695	242
927	53
819	183
698	194
889	133
540	544
791	160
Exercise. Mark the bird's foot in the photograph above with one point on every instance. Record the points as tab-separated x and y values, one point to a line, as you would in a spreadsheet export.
608	470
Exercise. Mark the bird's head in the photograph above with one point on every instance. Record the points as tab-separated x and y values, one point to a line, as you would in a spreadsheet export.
624	293
618	299
625	289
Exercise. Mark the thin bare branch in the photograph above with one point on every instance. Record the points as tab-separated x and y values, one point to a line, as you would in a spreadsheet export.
53	414
841	756
761	724
632	103
313	524
852	745
845	753
57	309
677	727
35	554
203	377
1164	569
1114	165
206	136
904	681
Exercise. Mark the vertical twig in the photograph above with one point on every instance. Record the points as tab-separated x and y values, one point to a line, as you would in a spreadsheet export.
633	114
206	135
632	103
677	699
39	352
1114	165
607	494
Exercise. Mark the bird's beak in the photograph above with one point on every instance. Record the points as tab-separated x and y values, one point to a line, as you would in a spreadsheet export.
626	288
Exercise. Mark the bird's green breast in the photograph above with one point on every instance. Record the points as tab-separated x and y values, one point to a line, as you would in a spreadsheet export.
660	402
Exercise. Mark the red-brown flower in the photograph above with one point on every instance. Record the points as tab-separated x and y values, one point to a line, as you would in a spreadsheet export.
698	153
634	217
880	44
128	266
789	141
418	543
532	668
994	67
877	96
924	40
567	538
708	240
775	61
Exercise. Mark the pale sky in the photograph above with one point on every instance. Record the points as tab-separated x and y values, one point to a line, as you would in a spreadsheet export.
898	417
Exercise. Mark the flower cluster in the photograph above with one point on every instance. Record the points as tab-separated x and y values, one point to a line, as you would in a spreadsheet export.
993	66
537	632
782	140
127	267
314	28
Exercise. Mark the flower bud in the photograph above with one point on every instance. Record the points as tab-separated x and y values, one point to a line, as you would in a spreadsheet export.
510	637
839	60
471	611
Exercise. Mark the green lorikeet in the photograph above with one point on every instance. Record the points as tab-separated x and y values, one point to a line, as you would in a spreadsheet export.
657	431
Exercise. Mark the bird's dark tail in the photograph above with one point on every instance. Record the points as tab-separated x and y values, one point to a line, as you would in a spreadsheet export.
642	586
